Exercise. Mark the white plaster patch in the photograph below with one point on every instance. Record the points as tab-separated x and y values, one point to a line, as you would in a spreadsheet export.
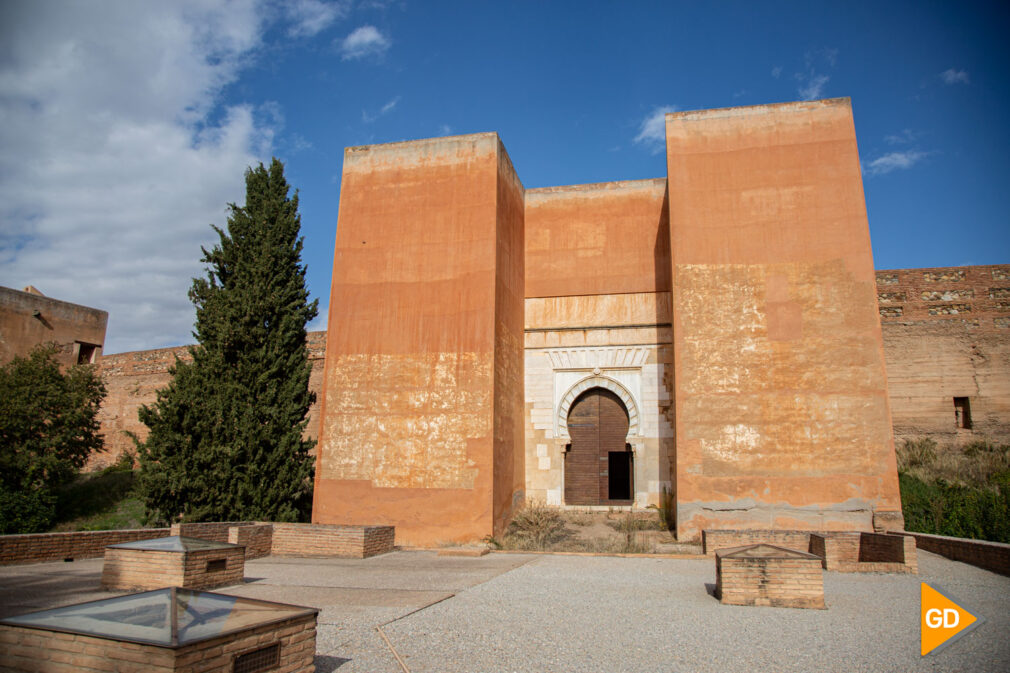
541	450
735	440
554	496
544	463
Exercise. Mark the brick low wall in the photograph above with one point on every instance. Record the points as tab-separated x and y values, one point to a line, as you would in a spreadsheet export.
713	540
992	556
258	537
840	551
865	552
216	531
316	539
41	547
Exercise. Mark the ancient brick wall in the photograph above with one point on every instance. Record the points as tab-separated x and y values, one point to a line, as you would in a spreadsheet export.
133	379
947	344
781	408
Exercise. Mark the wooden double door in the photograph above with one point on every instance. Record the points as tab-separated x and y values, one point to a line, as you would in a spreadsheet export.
599	467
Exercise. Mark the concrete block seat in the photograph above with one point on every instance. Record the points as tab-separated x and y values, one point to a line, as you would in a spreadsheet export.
163	631
763	574
178	561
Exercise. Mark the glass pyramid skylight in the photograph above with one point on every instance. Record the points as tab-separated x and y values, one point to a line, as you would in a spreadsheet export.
166	617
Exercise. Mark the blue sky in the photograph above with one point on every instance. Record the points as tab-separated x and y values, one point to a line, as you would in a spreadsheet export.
127	125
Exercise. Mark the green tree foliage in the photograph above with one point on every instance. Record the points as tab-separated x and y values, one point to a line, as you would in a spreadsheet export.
48	428
960	492
225	438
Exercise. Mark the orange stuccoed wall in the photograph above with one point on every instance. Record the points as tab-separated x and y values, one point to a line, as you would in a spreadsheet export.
421	420
781	408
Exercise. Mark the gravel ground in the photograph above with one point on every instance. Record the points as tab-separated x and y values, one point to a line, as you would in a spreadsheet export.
523	612
565	613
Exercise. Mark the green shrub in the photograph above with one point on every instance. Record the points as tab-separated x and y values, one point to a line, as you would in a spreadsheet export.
48	428
941	508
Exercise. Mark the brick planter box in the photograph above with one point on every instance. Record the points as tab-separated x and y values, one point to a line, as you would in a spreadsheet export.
163	631
763	574
173	561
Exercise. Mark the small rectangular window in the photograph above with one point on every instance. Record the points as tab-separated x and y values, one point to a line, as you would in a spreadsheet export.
217	565
962	413
262	659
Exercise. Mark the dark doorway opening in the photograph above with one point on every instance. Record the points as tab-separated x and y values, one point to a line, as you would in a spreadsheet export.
620	471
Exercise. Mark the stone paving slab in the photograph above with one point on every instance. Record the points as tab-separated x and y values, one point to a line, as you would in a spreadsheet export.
520	612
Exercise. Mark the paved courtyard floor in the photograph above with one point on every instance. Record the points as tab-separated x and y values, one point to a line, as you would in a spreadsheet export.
531	612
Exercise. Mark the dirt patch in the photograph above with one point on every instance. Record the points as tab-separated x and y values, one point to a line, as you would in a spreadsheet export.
540	528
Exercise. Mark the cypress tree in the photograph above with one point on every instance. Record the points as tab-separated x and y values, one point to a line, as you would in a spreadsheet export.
226	435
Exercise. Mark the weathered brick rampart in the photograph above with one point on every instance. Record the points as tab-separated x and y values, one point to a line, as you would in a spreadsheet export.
133	380
947	338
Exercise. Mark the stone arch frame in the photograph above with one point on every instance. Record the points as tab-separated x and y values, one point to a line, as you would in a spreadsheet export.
597	381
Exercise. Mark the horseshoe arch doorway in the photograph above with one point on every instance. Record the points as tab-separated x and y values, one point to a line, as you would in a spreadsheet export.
599	463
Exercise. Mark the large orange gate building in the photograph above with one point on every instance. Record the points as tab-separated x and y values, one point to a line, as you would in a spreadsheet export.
713	334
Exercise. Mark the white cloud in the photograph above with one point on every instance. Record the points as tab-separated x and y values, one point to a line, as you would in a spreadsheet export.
385	109
777	71
813	87
445	130
952	76
311	17
811	82
893	161
905	137
652	129
364	41
113	165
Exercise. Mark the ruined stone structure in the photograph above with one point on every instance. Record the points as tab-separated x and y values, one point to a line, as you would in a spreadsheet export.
29	318
714	334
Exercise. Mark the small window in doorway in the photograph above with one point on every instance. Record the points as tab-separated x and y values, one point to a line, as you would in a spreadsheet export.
962	413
